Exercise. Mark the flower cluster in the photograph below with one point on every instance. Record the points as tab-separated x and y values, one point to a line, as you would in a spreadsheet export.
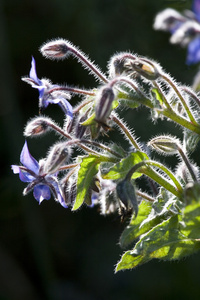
185	29
105	173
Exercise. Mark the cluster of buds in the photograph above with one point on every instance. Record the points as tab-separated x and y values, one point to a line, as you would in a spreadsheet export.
74	180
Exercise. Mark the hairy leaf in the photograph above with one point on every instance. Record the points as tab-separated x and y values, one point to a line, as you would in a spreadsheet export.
120	170
88	169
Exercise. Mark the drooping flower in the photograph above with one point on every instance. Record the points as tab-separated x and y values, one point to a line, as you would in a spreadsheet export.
48	92
185	29
42	184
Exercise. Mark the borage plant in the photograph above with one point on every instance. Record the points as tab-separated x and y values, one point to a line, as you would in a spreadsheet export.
165	221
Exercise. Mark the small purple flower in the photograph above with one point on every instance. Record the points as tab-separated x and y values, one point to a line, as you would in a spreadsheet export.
49	93
42	184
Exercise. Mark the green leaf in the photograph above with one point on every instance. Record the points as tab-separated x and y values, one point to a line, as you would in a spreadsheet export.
88	169
120	169
134	230
165	241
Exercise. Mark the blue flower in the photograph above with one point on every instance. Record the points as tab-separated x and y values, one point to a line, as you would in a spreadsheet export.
42	184
185	29
49	93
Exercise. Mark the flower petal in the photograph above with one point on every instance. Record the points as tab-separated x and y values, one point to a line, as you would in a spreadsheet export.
25	176
193	55
33	74
57	192
196	9
28	160
41	192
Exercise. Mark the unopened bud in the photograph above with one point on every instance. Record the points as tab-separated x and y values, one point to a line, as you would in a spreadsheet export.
57	49
120	63
167	145
146	69
37	126
103	105
58	155
126	193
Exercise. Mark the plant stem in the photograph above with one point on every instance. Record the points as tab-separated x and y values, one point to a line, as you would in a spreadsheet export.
188	164
87	62
145	196
125	130
143	168
167	171
101	146
163	95
175	88
71	90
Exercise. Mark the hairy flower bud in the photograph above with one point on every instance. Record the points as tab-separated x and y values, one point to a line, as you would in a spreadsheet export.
126	193
37	126
56	49
103	105
145	68
165	144
58	155
121	64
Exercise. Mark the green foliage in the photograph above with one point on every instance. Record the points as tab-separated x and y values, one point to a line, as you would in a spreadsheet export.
162	235
120	169
88	169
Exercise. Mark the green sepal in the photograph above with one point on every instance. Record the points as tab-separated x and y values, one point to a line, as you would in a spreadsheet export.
120	169
90	121
157	97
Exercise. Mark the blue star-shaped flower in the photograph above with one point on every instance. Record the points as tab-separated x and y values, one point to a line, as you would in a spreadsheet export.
42	184
49	93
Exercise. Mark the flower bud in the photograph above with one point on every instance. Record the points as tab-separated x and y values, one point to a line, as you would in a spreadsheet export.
121	63
126	193
103	105
37	126
56	49
58	154
146	69
165	144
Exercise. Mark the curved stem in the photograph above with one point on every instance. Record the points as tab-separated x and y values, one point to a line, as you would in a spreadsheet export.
175	88
163	95
188	164
145	196
143	168
125	130
192	94
167	171
71	90
86	61
101	146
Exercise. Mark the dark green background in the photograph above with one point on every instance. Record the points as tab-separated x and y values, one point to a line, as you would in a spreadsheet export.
47	252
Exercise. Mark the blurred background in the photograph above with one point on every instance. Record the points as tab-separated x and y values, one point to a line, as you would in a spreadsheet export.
46	251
